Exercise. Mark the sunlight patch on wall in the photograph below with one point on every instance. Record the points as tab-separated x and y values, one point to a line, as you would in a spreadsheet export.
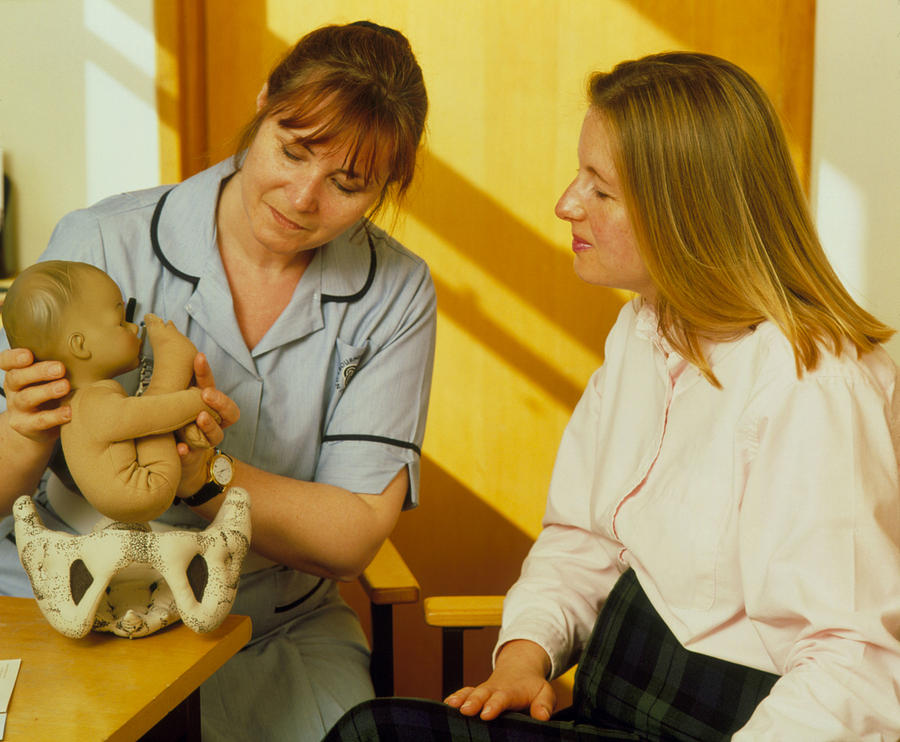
123	33
120	119
508	310
500	438
118	126
842	224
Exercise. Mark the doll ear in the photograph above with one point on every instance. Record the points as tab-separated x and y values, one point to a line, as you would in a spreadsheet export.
77	346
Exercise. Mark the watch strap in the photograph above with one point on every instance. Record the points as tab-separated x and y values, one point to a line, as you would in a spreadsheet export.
209	490
206	493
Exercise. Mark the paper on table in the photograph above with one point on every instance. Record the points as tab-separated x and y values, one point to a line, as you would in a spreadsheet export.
9	670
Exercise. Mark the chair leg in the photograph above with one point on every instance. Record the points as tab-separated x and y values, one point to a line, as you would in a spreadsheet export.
452	660
381	666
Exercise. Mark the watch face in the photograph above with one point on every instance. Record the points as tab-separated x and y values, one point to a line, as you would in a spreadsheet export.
221	469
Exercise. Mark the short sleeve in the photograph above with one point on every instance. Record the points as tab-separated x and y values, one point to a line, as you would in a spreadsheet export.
378	425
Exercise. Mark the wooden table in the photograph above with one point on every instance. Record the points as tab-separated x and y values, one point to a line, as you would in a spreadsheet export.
105	687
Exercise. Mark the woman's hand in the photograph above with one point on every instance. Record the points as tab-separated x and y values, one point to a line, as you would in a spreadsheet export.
519	682
33	391
194	460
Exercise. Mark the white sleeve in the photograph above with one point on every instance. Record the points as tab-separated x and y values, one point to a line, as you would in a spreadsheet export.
570	570
820	560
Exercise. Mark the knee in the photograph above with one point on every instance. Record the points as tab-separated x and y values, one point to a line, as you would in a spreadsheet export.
361	723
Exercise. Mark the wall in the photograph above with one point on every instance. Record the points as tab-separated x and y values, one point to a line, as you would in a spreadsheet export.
77	110
856	149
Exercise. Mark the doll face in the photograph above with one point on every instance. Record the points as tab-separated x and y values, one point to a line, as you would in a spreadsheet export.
96	329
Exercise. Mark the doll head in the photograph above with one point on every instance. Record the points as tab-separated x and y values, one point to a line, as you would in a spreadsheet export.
74	313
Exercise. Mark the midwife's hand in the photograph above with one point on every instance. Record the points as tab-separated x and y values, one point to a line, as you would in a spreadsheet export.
518	683
33	391
194	459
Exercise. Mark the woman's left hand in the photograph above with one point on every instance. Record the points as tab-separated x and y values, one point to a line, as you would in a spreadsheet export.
194	460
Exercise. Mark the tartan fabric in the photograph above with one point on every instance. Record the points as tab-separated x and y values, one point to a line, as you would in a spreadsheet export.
636	672
418	720
634	682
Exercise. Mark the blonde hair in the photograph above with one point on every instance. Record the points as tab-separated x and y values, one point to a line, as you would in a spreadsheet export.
721	220
35	304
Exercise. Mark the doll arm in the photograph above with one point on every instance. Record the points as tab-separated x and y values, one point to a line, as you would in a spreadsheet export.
111	415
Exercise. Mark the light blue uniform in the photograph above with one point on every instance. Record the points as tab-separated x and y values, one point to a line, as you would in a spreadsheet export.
336	391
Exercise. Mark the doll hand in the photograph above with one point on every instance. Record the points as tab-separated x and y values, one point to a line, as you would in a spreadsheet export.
33	391
166	339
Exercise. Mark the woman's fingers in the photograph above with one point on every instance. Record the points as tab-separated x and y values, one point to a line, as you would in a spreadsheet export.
221	403
484	700
32	393
543	704
202	372
20	376
227	410
457	698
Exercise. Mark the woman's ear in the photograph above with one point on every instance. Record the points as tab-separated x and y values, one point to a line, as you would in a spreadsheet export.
77	347
262	97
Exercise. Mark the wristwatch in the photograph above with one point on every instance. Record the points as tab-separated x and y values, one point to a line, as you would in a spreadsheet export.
221	472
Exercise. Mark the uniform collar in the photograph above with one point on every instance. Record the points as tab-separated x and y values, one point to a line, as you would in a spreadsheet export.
186	241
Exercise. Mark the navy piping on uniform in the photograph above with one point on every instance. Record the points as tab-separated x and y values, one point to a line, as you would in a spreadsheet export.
366	286
154	240
305	596
375	438
194	280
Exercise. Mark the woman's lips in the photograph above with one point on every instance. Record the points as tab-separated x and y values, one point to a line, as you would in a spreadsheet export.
579	245
283	220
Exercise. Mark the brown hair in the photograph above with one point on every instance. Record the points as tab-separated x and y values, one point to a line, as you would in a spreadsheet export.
360	81
33	308
722	223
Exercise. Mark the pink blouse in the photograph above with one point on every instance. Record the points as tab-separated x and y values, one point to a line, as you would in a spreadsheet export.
762	520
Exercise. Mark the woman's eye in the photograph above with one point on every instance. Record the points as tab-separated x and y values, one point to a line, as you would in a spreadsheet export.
290	155
345	189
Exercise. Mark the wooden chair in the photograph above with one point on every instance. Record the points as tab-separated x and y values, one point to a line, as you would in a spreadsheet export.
455	614
386	582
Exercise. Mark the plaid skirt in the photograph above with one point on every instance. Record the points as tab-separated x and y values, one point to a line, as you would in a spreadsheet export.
634	682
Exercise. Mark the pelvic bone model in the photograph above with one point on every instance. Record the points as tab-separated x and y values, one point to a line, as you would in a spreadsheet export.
131	581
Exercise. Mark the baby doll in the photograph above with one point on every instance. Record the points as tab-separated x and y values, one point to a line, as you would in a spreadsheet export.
123	577
120	449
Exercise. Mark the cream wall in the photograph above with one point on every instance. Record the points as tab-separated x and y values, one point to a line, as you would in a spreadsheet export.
77	109
855	182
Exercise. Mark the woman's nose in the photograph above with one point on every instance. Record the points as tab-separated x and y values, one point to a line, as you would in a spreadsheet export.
304	196
569	207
